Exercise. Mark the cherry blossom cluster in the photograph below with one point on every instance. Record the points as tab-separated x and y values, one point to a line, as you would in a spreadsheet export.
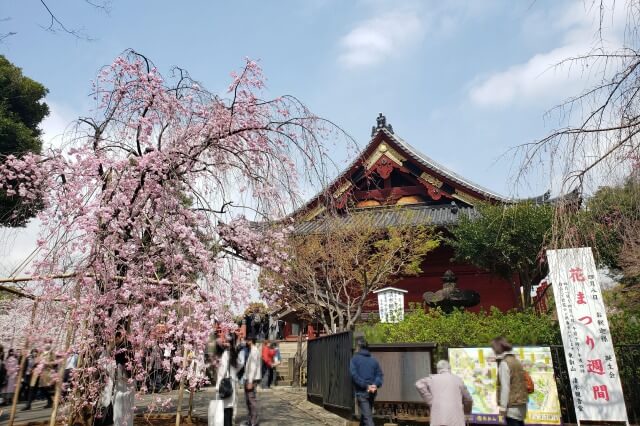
136	207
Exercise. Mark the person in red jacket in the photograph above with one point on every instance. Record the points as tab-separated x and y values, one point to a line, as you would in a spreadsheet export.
268	353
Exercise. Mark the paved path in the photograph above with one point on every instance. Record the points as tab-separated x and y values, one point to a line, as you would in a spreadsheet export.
281	406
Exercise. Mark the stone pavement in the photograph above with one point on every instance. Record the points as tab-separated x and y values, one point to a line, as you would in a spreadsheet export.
280	406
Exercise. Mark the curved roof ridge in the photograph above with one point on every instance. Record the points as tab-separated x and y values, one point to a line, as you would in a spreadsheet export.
427	161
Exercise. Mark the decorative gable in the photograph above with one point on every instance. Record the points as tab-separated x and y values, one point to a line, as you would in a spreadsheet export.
389	172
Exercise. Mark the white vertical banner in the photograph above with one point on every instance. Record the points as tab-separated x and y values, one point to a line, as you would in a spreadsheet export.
591	360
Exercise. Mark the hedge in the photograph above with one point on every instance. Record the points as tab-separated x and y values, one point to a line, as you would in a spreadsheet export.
462	328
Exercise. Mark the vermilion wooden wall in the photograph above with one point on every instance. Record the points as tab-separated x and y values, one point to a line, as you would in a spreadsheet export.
493	290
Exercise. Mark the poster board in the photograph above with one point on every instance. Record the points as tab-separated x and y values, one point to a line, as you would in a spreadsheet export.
478	369
591	359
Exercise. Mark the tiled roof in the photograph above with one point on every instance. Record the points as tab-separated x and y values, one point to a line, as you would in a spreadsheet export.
426	161
383	217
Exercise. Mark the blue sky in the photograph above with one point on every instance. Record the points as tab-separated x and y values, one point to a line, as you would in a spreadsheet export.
462	81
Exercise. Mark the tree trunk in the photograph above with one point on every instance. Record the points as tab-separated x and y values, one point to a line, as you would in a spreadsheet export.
340	324
181	391
297	362
525	296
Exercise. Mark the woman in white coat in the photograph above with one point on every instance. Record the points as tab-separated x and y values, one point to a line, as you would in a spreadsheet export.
228	367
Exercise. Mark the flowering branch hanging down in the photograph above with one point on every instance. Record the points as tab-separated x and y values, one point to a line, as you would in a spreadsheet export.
134	202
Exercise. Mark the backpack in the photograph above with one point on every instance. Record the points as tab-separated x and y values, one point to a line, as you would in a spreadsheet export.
529	382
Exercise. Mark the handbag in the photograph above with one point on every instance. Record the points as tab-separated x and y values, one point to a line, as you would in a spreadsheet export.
225	389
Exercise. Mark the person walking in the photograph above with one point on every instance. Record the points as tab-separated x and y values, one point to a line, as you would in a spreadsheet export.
268	354
228	367
41	377
124	391
446	395
71	364
277	360
11	368
367	377
3	374
30	365
252	376
511	386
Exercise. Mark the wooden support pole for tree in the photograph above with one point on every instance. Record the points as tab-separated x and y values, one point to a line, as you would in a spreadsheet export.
23	362
58	391
191	405
67	344
72	416
16	292
149	280
181	391
36	278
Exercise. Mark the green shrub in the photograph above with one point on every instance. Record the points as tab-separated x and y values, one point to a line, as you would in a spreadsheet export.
625	328
461	328
470	329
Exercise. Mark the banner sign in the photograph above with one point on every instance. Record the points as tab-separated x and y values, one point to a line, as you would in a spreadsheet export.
591	360
478	369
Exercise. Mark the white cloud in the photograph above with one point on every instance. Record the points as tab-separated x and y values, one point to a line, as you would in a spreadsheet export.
377	39
535	79
541	78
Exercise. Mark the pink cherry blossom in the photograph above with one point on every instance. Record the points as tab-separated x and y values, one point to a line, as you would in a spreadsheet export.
151	207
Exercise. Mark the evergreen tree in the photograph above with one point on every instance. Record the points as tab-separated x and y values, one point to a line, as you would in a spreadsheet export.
22	109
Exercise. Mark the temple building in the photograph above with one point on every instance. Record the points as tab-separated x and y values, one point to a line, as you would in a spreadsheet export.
390	178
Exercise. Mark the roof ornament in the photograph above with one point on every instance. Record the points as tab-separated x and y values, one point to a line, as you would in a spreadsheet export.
381	123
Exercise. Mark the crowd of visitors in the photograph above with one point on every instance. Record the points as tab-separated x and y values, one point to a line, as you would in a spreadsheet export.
37	379
238	363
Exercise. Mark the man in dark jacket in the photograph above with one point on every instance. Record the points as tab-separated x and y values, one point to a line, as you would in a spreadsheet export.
367	378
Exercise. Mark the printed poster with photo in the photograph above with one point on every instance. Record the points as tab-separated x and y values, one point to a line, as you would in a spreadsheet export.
478	369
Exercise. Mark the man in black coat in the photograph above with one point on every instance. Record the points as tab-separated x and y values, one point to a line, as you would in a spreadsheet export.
367	376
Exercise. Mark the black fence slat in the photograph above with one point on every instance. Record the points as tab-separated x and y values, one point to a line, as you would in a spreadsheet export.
328	376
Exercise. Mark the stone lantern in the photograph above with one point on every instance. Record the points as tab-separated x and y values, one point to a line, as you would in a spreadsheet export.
451	297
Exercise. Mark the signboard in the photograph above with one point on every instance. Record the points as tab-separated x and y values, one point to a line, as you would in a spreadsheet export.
391	304
478	369
591	360
403	364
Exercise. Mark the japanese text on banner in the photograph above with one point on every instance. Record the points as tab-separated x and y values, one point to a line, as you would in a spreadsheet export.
589	352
